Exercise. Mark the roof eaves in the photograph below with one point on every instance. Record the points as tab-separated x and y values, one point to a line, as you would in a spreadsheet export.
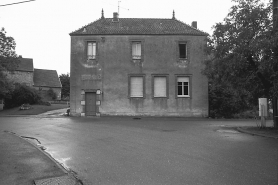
191	34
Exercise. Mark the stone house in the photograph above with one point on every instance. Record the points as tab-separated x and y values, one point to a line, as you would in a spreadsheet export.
24	72
40	79
136	67
44	80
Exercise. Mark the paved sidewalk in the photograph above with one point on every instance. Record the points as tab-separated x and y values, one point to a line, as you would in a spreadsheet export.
22	163
268	132
54	113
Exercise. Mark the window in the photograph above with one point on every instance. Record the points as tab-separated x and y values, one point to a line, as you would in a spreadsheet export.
182	51
136	86
136	50
91	50
160	86
183	86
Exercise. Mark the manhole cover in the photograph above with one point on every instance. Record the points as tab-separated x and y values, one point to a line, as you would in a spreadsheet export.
63	180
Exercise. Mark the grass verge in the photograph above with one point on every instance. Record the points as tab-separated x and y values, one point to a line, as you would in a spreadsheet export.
35	109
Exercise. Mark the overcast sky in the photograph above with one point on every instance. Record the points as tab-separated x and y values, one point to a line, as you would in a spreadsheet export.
41	28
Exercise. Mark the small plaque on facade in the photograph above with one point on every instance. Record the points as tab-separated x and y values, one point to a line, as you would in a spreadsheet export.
98	102
98	91
91	77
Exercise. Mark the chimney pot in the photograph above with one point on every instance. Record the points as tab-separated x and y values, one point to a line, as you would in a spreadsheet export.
115	17
194	24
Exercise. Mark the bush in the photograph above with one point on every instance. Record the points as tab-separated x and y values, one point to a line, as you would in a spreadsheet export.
52	94
22	94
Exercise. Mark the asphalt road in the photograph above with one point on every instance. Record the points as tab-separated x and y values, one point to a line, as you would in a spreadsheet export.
154	151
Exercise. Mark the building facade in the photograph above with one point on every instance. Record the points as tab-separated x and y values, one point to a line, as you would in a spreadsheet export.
135	67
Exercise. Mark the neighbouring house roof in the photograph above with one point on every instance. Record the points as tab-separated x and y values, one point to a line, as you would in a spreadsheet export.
46	78
25	64
138	26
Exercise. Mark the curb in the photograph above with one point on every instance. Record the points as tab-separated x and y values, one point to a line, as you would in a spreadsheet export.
67	172
255	134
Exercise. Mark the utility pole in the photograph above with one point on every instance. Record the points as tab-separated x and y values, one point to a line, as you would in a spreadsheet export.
275	49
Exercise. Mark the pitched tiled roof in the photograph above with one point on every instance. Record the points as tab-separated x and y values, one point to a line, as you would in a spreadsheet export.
25	64
137	26
46	78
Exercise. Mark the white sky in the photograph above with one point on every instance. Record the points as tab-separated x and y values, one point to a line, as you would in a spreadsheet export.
41	28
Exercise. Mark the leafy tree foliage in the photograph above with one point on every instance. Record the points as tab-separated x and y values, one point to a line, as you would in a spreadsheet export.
8	61
22	94
242	65
65	81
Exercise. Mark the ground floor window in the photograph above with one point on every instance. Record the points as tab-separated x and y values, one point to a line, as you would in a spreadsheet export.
136	86
160	86
183	86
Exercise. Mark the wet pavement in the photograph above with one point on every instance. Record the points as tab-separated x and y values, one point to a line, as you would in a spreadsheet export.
22	163
123	150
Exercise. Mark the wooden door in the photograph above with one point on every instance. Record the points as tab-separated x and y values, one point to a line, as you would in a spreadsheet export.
90	104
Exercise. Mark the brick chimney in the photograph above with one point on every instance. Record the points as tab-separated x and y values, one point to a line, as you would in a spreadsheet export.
194	24
115	17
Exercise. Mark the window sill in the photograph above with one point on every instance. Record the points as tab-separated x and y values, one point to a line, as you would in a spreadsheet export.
183	97
138	98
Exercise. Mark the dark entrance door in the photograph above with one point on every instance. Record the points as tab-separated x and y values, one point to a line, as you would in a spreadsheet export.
90	103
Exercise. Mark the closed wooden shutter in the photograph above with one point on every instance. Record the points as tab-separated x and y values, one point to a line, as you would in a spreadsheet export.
160	87
136	86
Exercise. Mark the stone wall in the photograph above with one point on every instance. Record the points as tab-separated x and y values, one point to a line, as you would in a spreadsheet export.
45	96
22	77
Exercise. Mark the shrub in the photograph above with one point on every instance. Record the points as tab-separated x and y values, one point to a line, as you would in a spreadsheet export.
52	94
22	94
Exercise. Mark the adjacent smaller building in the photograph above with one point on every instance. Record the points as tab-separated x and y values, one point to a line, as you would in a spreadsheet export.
40	79
47	79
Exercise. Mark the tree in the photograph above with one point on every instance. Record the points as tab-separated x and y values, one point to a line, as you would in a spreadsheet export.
242	66
8	61
65	81
22	94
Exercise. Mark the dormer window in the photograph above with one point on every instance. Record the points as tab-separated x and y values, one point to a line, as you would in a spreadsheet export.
136	50
91	50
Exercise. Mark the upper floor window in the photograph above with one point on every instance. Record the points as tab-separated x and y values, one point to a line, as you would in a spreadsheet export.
91	50
136	50
182	50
